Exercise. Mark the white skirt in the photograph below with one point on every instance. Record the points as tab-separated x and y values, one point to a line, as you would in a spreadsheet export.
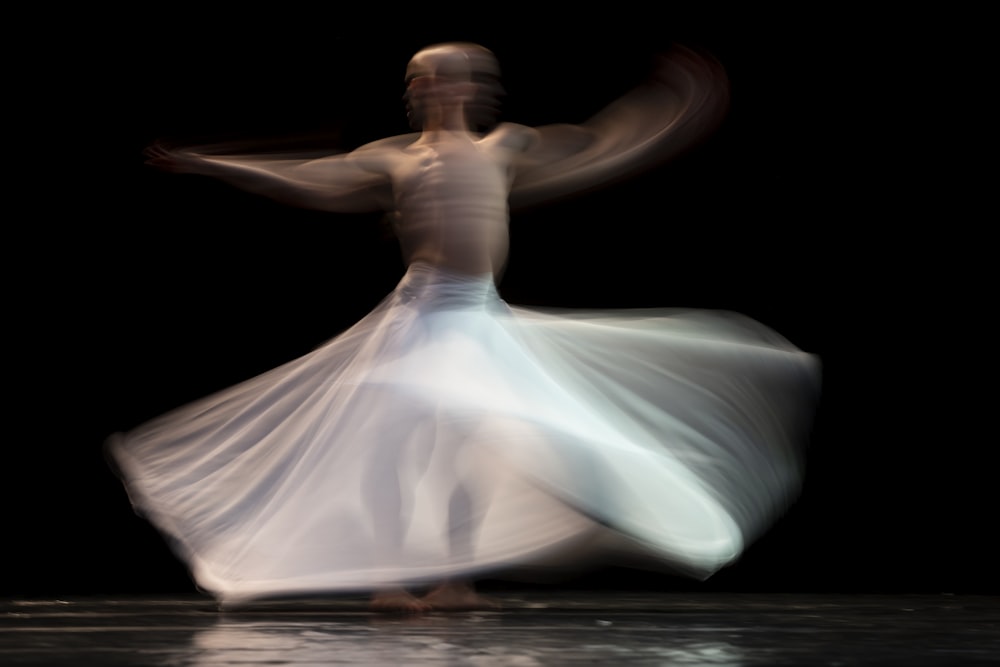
449	435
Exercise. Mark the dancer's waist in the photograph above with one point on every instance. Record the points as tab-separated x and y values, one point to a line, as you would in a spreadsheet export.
447	287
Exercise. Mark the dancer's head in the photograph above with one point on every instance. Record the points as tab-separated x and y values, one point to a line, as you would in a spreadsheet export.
454	73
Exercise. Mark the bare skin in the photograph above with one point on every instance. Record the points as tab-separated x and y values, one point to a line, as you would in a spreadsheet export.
459	596
398	601
449	188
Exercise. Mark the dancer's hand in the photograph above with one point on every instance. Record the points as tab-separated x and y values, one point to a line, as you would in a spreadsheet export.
178	161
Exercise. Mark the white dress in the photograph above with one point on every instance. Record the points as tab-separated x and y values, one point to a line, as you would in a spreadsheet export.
448	434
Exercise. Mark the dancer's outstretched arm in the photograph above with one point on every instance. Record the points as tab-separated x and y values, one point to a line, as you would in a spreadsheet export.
352	182
679	106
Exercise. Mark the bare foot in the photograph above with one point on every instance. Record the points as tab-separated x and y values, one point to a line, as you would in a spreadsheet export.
458	597
397	602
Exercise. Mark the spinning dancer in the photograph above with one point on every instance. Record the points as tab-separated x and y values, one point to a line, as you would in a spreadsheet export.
448	434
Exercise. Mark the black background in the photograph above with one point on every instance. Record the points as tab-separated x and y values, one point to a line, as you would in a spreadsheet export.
132	291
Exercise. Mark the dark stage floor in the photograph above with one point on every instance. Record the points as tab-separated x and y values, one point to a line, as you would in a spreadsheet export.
533	628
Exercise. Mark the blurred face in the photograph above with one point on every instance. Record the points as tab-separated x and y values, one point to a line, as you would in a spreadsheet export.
451	74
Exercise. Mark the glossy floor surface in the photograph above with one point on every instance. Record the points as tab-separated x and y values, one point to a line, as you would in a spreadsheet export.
531	628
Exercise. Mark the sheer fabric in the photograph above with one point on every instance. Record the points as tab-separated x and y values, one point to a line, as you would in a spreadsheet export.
449	434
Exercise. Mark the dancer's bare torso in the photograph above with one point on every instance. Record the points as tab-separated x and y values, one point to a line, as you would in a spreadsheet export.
449	197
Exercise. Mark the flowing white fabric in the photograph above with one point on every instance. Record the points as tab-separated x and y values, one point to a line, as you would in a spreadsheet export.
448	434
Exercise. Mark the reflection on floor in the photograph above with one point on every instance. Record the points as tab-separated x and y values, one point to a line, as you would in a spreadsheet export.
532	628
